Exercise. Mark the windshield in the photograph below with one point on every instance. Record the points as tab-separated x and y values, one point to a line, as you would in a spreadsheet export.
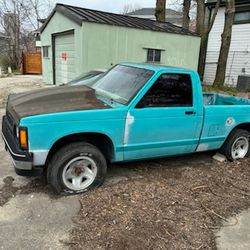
122	83
88	78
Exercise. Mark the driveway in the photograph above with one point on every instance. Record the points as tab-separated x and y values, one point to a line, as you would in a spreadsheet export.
30	216
189	197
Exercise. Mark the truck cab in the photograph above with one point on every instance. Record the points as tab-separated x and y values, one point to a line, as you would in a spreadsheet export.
133	112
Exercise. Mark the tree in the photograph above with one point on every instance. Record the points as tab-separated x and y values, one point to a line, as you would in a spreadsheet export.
188	8
185	13
225	43
203	28
160	10
18	18
127	8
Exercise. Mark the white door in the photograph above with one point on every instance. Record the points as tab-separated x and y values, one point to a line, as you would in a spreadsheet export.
64	58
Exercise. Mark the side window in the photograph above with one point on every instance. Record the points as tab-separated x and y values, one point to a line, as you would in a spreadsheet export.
169	90
242	17
154	55
45	51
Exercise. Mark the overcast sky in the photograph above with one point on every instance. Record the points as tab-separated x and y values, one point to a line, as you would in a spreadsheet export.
109	5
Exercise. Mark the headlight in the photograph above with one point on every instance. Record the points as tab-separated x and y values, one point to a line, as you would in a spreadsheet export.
23	138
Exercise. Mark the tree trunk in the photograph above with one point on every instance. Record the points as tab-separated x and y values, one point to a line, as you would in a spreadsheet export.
200	17
160	10
225	43
202	55
186	17
203	29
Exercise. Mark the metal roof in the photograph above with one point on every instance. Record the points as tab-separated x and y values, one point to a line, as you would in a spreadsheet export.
80	15
151	12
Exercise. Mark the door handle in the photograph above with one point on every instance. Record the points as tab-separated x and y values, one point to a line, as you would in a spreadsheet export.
191	112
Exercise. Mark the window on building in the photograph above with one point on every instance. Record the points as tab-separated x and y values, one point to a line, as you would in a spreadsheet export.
45	51
38	37
154	55
170	90
242	17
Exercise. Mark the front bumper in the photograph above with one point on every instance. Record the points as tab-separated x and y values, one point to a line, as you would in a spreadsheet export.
22	159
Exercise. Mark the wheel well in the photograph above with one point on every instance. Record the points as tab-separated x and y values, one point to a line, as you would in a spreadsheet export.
101	141
244	126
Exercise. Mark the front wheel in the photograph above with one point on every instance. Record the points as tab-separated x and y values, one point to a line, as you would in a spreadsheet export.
237	145
76	168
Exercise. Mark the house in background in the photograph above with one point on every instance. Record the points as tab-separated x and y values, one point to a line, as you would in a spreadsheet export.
172	16
76	40
239	55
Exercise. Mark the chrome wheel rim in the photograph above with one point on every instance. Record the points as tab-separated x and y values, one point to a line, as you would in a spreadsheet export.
79	173
240	148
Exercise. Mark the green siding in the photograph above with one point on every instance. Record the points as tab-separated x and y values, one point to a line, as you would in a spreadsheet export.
105	45
60	23
99	46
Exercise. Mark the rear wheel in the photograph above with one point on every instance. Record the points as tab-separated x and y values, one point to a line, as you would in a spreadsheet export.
237	145
76	168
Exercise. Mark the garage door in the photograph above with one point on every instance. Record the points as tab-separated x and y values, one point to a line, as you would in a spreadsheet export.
64	58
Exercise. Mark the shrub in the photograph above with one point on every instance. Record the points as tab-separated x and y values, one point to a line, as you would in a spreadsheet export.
5	62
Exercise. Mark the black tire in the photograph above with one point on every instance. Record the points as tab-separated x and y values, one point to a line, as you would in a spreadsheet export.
65	155
226	149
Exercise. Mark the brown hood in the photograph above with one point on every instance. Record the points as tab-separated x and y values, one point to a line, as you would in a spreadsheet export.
53	100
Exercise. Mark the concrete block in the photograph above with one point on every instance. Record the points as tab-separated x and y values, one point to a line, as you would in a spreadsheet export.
219	157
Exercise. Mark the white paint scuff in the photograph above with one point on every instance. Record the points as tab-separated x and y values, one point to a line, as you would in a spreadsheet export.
202	147
129	121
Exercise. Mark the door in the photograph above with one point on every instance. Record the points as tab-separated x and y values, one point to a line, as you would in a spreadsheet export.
165	121
64	58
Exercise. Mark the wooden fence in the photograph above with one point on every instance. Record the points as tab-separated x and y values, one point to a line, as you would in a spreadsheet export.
32	63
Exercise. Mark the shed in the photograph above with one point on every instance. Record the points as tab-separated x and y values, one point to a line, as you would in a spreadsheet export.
76	40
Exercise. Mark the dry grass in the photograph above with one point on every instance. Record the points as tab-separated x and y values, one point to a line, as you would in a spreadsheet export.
177	204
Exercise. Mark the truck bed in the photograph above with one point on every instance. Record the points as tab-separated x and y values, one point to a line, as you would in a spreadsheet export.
220	99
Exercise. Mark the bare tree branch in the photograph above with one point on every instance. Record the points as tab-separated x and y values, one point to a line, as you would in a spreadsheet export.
18	18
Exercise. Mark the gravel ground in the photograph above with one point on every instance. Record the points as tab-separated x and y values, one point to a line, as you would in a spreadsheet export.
17	84
175	203
178	203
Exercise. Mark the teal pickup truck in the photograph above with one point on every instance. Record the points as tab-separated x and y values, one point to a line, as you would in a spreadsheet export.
133	112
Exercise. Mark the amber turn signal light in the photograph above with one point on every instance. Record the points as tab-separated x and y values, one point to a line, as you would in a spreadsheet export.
23	138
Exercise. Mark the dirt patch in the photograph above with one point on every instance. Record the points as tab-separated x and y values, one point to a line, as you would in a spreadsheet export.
178	204
7	191
37	185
